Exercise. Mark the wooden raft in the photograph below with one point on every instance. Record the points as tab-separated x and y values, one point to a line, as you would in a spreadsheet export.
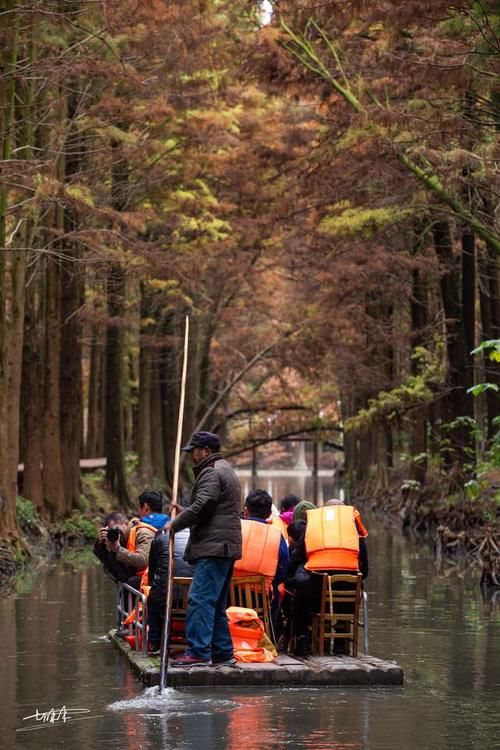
315	671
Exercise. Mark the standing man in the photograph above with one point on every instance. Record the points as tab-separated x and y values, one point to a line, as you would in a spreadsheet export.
214	544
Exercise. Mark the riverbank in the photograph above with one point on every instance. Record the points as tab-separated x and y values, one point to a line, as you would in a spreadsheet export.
463	530
42	541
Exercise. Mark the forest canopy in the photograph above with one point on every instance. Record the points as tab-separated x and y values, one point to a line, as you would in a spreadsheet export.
316	187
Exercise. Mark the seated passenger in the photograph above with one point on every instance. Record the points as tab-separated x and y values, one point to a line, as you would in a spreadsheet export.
158	577
334	543
265	551
297	559
151	509
287	506
132	549
300	510
333	537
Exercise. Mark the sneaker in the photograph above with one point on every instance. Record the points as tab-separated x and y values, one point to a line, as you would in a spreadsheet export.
186	660
154	651
231	662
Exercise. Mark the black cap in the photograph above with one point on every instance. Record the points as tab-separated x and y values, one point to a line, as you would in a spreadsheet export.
203	440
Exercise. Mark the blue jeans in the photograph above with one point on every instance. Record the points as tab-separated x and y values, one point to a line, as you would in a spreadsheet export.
207	629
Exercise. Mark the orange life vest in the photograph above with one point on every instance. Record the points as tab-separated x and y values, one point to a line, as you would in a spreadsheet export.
246	633
131	539
260	550
281	525
332	538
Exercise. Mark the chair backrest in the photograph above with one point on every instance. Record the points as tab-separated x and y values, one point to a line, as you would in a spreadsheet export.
180	597
251	592
341	593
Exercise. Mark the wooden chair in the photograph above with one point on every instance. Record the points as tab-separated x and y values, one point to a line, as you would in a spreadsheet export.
251	592
179	607
338	618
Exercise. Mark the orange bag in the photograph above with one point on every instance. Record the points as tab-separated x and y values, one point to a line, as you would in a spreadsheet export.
246	632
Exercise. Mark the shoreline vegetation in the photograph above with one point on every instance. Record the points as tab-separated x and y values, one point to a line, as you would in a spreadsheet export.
463	532
42	541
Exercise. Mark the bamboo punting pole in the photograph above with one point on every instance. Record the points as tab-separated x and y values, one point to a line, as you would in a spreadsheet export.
175	489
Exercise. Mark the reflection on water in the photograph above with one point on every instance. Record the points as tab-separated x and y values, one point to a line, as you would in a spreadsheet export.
440	630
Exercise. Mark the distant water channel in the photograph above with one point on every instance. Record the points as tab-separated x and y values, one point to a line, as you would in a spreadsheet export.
53	653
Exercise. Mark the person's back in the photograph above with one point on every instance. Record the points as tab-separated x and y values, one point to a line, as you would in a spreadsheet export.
261	545
334	543
333	539
265	551
214	511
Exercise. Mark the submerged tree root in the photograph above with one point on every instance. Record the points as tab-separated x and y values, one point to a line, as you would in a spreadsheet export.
463	534
477	545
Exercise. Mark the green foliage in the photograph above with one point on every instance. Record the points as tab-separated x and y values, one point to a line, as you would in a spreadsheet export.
80	193
93	488
27	515
79	526
492	346
388	405
83	503
25	580
365	221
474	488
476	390
359	135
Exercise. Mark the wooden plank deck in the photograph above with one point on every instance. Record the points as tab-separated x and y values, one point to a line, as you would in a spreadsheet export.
315	671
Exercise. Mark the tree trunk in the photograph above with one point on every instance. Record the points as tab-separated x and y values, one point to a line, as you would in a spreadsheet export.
51	446
418	428
169	375
8	60
72	299
71	373
116	292
114	430
95	386
457	403
144	436
469	291
169	399
489	298
30	397
157	443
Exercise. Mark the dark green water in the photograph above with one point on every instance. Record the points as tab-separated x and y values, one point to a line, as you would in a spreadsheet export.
53	653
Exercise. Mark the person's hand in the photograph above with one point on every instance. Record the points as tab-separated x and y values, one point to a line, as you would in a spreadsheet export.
102	534
176	507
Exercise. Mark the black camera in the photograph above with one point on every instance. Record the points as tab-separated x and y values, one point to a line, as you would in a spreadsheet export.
113	535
